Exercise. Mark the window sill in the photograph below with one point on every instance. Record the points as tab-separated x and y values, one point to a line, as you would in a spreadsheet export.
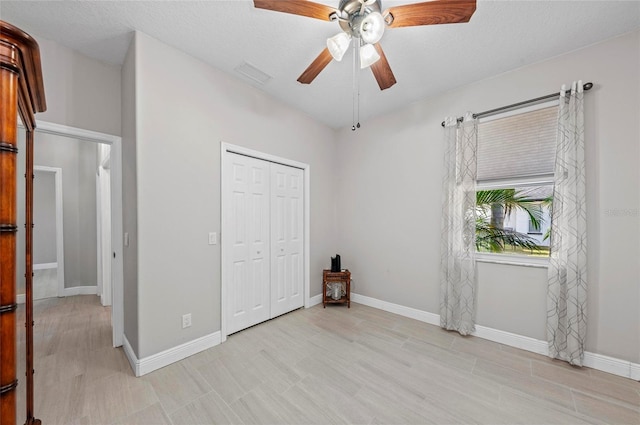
512	260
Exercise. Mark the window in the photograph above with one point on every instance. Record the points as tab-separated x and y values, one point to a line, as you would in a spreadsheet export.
516	154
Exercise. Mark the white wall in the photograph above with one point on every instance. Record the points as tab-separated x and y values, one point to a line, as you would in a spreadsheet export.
184	110
80	91
390	190
129	197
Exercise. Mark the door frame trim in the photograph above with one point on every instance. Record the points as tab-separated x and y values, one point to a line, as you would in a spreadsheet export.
226	148
117	273
57	174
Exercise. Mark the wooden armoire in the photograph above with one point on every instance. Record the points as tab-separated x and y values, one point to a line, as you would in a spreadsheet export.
21	93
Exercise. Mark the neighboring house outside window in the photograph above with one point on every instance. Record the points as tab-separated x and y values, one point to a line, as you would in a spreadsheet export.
521	222
516	154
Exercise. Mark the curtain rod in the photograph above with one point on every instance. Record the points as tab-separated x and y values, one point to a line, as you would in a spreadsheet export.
585	87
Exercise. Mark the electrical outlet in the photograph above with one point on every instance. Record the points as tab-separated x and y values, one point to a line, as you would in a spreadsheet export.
186	320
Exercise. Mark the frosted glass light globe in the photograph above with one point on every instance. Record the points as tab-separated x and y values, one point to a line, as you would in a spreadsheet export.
372	28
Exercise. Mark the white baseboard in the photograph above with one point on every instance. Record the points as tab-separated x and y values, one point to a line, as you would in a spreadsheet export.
44	266
512	340
80	290
68	292
164	358
635	371
315	300
131	355
423	316
612	365
595	361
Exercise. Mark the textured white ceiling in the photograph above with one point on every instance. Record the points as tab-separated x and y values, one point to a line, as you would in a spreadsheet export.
501	36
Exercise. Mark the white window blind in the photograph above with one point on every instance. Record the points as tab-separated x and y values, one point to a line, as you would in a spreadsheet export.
518	146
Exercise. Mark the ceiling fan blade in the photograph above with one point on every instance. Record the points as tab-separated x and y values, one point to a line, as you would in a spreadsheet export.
316	67
431	13
382	70
297	7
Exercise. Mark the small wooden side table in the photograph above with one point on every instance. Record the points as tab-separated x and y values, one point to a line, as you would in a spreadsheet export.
329	278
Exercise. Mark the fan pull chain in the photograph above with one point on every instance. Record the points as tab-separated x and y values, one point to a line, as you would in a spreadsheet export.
353	89
358	109
356	86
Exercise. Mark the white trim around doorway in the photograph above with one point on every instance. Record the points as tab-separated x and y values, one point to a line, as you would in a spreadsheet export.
59	225
306	168
117	275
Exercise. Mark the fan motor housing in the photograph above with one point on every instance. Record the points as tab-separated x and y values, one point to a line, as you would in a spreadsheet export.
350	14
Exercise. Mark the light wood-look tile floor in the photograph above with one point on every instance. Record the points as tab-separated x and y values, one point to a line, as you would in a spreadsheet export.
314	366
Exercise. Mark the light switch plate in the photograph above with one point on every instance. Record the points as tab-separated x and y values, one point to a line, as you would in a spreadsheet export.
186	320
213	238
126	238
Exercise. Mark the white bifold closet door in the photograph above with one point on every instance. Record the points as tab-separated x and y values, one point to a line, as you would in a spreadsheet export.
287	229
248	296
263	241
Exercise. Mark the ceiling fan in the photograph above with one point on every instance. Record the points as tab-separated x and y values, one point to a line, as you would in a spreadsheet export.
364	21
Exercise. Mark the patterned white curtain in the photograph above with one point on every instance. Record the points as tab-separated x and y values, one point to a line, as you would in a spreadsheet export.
567	279
458	239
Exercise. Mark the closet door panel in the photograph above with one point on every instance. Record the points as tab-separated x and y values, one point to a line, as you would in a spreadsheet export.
248	294
286	239
296	240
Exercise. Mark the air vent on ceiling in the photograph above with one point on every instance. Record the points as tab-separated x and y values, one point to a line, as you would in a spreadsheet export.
247	70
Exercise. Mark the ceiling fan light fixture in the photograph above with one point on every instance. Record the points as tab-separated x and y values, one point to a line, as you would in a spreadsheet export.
338	45
372	27
368	56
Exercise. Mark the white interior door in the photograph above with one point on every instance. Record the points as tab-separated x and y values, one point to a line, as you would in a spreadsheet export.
247	242
287	230
104	215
